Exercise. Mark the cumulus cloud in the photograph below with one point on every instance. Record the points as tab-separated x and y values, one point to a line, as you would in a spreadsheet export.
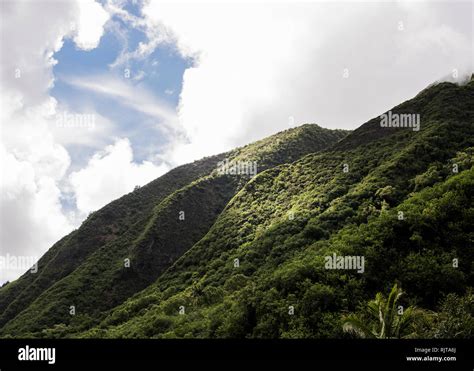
33	161
31	217
92	18
27	53
334	64
113	170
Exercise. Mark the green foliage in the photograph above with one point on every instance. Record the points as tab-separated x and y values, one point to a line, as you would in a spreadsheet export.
456	317
384	319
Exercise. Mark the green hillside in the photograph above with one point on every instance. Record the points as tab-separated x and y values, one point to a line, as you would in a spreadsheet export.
250	257
88	269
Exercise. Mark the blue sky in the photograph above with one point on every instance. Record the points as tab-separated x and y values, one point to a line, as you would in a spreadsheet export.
161	73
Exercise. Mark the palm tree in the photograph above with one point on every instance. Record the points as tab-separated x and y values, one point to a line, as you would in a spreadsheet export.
385	321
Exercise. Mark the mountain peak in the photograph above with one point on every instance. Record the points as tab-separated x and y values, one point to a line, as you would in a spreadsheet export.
236	249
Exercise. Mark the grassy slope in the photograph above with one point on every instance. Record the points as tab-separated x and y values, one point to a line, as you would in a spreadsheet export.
281	260
143	227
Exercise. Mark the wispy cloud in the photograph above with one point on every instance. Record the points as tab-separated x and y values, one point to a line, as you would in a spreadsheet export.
132	96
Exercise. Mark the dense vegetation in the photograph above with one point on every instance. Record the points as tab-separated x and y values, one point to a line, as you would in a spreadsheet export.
249	258
88	269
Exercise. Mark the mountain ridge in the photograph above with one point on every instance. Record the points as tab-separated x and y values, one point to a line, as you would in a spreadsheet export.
298	140
279	225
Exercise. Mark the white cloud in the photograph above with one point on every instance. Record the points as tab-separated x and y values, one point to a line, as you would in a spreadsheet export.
144	49
31	219
110	174
28	44
92	18
259	64
33	162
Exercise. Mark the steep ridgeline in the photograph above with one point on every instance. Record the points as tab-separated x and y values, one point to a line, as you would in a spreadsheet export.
102	229
400	199
123	247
